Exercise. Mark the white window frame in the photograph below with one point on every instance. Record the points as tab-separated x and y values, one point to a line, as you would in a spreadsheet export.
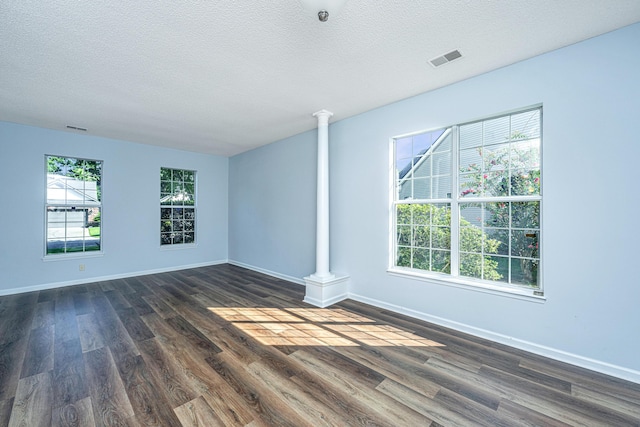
183	244
454	279
47	205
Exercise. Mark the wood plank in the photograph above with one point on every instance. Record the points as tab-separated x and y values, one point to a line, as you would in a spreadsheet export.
11	361
5	411
358	397
198	413
176	385
109	401
159	306
39	354
149	402
526	417
294	397
77	414
33	404
136	328
82	303
69	383
220	396
89	332
113	332
257	395
65	317
193	335
427	407
139	304
560	406
44	315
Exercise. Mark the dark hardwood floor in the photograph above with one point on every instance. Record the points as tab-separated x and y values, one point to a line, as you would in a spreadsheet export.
222	345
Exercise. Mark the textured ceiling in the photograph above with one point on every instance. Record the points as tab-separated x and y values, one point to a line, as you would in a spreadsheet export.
223	77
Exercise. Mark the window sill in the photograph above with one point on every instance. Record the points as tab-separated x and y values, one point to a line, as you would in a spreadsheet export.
178	246
73	255
470	284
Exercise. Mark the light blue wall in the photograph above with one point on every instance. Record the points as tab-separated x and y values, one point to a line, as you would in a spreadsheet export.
591	98
131	214
272	206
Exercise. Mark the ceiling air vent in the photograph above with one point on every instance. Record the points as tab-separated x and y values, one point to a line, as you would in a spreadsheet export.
447	57
76	128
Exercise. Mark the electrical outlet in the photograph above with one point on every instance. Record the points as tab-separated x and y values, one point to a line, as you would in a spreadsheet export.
81	267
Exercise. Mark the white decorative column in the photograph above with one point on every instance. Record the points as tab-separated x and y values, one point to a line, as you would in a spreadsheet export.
323	287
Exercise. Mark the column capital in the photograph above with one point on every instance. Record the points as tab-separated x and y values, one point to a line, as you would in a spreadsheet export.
323	116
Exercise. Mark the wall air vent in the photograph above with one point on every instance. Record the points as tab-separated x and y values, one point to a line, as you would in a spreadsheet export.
76	128
447	57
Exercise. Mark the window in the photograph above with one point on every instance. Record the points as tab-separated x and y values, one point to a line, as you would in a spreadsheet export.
177	206
73	205
467	202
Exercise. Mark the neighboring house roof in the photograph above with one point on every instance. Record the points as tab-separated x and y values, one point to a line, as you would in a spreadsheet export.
64	190
420	157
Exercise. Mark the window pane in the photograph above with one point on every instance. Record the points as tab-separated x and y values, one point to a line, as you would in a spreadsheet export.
441	187
165	239
470	239
525	182
495	157
421	259
421	236
495	183
499	163
496	130
73	205
404	257
420	229
404	235
177	192
403	214
441	261
421	144
496	268
422	188
421	214
471	160
441	237
423	168
525	214
445	143
496	241
72	229
430	156
405	189
471	265
524	272
471	214
471	135
525	154
526	125
404	148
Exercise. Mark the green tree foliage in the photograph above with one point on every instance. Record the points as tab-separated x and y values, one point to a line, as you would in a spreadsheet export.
424	242
513	170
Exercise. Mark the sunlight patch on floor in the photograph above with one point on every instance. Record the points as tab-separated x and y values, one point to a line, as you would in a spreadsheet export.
317	327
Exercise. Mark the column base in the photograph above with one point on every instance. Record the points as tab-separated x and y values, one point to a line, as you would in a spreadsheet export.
324	291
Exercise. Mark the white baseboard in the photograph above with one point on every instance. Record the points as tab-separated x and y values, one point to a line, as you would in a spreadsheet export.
83	281
552	353
296	280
